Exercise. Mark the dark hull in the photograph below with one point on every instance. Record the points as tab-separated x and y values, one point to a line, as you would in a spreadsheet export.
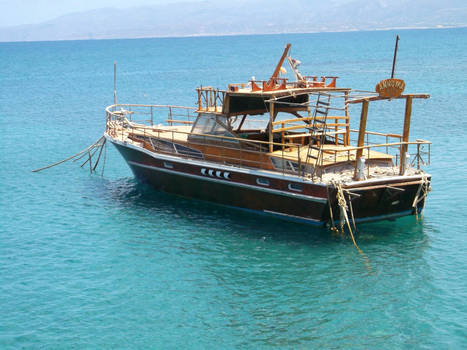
238	187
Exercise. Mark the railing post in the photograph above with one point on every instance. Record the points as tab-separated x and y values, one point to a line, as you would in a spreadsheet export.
283	163
299	161
199	98
152	118
282	135
418	156
347	121
361	133
271	120
215	101
405	134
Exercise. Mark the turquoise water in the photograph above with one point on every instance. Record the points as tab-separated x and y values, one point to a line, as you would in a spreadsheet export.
100	262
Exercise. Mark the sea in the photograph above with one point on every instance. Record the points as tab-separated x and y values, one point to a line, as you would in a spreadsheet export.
99	261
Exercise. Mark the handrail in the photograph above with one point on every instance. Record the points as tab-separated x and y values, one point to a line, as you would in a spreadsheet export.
107	109
119	122
310	118
348	148
378	133
154	129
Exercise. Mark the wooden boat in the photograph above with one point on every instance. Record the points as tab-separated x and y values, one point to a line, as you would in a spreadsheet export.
279	148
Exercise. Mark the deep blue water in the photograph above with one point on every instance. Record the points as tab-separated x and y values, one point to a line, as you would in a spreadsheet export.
101	262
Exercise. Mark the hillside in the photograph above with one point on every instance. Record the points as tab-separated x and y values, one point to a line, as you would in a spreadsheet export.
243	17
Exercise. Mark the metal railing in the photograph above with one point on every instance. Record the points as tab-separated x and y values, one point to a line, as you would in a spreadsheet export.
225	149
138	123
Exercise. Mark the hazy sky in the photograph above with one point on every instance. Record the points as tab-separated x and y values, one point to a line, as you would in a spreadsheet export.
14	12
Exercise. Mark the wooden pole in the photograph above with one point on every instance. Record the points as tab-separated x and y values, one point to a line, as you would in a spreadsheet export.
279	65
361	133
405	134
115	83
395	57
347	127
271	120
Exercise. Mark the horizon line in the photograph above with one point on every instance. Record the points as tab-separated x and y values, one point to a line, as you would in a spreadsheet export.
437	27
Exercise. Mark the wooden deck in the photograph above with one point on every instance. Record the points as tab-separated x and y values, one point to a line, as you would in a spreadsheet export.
176	133
332	154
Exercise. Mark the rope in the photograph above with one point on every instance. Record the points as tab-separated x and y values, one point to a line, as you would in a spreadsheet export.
424	189
105	157
100	153
331	216
345	219
94	150
81	153
351	212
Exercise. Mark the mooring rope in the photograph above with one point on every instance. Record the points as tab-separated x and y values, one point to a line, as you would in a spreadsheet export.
331	216
344	219
343	210
424	189
99	143
105	157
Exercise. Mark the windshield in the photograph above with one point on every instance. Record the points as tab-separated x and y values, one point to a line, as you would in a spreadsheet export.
212	124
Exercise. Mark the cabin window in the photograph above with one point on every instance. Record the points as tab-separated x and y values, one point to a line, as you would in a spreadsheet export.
168	165
212	124
262	181
284	164
295	187
187	151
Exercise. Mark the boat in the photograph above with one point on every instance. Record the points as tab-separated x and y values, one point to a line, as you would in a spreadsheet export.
281	148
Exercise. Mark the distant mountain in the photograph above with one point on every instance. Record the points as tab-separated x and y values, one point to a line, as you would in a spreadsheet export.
244	17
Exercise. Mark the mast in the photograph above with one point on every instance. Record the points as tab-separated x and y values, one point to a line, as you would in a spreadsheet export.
279	65
115	82
395	57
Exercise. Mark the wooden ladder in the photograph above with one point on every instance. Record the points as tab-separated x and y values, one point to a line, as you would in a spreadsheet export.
318	130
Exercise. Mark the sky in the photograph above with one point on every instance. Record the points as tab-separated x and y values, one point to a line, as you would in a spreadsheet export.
17	12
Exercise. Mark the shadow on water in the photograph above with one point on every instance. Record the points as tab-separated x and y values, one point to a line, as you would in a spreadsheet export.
135	198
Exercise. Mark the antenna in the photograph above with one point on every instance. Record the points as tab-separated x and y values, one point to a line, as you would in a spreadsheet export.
115	82
395	57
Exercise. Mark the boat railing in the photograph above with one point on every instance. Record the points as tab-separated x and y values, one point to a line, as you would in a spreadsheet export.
230	150
336	127
151	114
125	119
420	149
210	99
391	144
324	81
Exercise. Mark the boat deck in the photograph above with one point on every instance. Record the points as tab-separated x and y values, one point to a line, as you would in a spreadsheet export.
332	154
175	133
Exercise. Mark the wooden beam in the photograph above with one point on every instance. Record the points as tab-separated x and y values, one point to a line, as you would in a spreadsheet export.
287	121
271	120
347	129
279	64
226	105
295	127
361	133
405	134
378	98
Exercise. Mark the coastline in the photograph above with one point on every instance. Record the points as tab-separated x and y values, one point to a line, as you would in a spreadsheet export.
207	35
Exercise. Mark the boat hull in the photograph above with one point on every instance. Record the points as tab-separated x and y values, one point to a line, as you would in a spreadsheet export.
246	189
